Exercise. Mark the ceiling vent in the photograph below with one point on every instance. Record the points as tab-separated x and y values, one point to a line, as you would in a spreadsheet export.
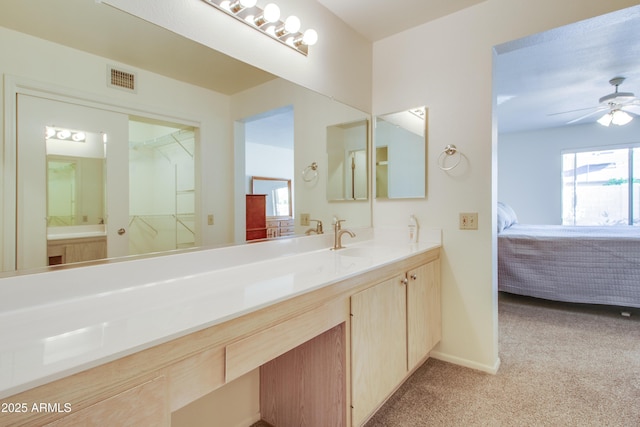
121	79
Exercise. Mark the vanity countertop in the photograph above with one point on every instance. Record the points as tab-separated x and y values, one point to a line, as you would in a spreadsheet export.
54	324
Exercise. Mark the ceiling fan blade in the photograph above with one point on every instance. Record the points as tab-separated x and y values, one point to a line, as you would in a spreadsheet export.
574	111
599	110
633	109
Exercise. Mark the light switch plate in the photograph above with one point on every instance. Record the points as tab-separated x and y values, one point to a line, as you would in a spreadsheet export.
468	220
210	219
305	219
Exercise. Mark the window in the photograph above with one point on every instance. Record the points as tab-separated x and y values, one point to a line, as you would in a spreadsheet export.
596	187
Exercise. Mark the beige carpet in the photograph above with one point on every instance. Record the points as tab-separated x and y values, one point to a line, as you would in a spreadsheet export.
562	365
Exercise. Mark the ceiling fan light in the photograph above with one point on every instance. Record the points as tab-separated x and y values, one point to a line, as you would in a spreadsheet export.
606	119
620	118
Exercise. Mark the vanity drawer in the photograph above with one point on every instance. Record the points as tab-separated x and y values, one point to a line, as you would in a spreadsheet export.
195	376
249	353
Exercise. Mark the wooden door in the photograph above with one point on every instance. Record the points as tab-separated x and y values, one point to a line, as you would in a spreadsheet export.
34	115
378	345
423	312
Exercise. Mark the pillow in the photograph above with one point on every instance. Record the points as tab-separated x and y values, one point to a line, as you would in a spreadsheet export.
506	216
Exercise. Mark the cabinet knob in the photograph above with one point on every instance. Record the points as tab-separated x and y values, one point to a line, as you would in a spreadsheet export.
414	276
404	281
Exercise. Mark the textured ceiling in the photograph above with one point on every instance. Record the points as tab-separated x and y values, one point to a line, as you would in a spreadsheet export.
566	69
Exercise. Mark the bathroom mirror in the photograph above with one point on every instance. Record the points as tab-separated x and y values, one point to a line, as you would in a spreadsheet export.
278	191
96	36
75	178
400	154
347	161
75	191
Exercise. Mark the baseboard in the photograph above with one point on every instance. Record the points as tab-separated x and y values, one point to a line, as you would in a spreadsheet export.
491	369
250	420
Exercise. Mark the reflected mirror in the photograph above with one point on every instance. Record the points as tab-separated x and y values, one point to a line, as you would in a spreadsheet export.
278	195
400	154
347	161
75	178
76	193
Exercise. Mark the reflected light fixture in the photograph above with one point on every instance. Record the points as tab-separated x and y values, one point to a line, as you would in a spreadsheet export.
268	22
62	134
616	117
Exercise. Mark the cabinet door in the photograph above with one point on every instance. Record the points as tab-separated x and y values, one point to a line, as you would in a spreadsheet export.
423	311
378	345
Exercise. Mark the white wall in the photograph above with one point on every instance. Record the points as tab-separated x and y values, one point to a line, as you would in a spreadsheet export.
268	161
530	165
447	66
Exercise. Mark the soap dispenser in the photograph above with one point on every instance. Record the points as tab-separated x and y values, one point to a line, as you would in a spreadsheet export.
413	229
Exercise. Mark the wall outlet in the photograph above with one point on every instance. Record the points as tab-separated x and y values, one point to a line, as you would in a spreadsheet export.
305	219
210	219
468	220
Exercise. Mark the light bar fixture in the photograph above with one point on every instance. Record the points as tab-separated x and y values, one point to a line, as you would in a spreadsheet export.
64	134
268	21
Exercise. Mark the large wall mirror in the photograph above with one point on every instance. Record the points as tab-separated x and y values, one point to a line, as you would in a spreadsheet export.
222	92
400	154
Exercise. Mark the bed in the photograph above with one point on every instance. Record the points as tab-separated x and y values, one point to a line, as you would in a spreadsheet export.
581	264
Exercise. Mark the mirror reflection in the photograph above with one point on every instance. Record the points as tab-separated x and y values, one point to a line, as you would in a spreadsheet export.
278	195
400	154
75	178
347	161
167	194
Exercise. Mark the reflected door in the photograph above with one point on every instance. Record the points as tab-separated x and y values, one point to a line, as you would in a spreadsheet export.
83	150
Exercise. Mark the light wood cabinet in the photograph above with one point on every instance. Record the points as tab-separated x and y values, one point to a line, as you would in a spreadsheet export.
394	326
424	324
378	344
344	346
64	251
280	226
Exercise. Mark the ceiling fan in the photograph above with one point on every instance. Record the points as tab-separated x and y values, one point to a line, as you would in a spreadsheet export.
619	107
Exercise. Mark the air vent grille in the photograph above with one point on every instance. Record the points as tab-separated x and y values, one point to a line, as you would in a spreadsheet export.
121	79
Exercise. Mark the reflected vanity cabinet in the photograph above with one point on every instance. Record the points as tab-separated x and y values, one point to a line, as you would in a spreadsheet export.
279	226
65	251
394	326
256	216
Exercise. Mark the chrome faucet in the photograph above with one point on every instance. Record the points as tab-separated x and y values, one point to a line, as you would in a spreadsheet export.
317	230
338	233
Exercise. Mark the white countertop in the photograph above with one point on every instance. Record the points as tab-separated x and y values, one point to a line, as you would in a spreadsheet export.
58	323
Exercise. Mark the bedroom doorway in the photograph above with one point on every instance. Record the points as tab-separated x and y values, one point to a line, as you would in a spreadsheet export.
546	88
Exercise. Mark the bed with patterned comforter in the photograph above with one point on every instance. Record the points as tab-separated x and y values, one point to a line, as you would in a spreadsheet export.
581	264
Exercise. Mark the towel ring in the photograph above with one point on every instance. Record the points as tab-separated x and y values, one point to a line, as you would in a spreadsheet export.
449	150
310	172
